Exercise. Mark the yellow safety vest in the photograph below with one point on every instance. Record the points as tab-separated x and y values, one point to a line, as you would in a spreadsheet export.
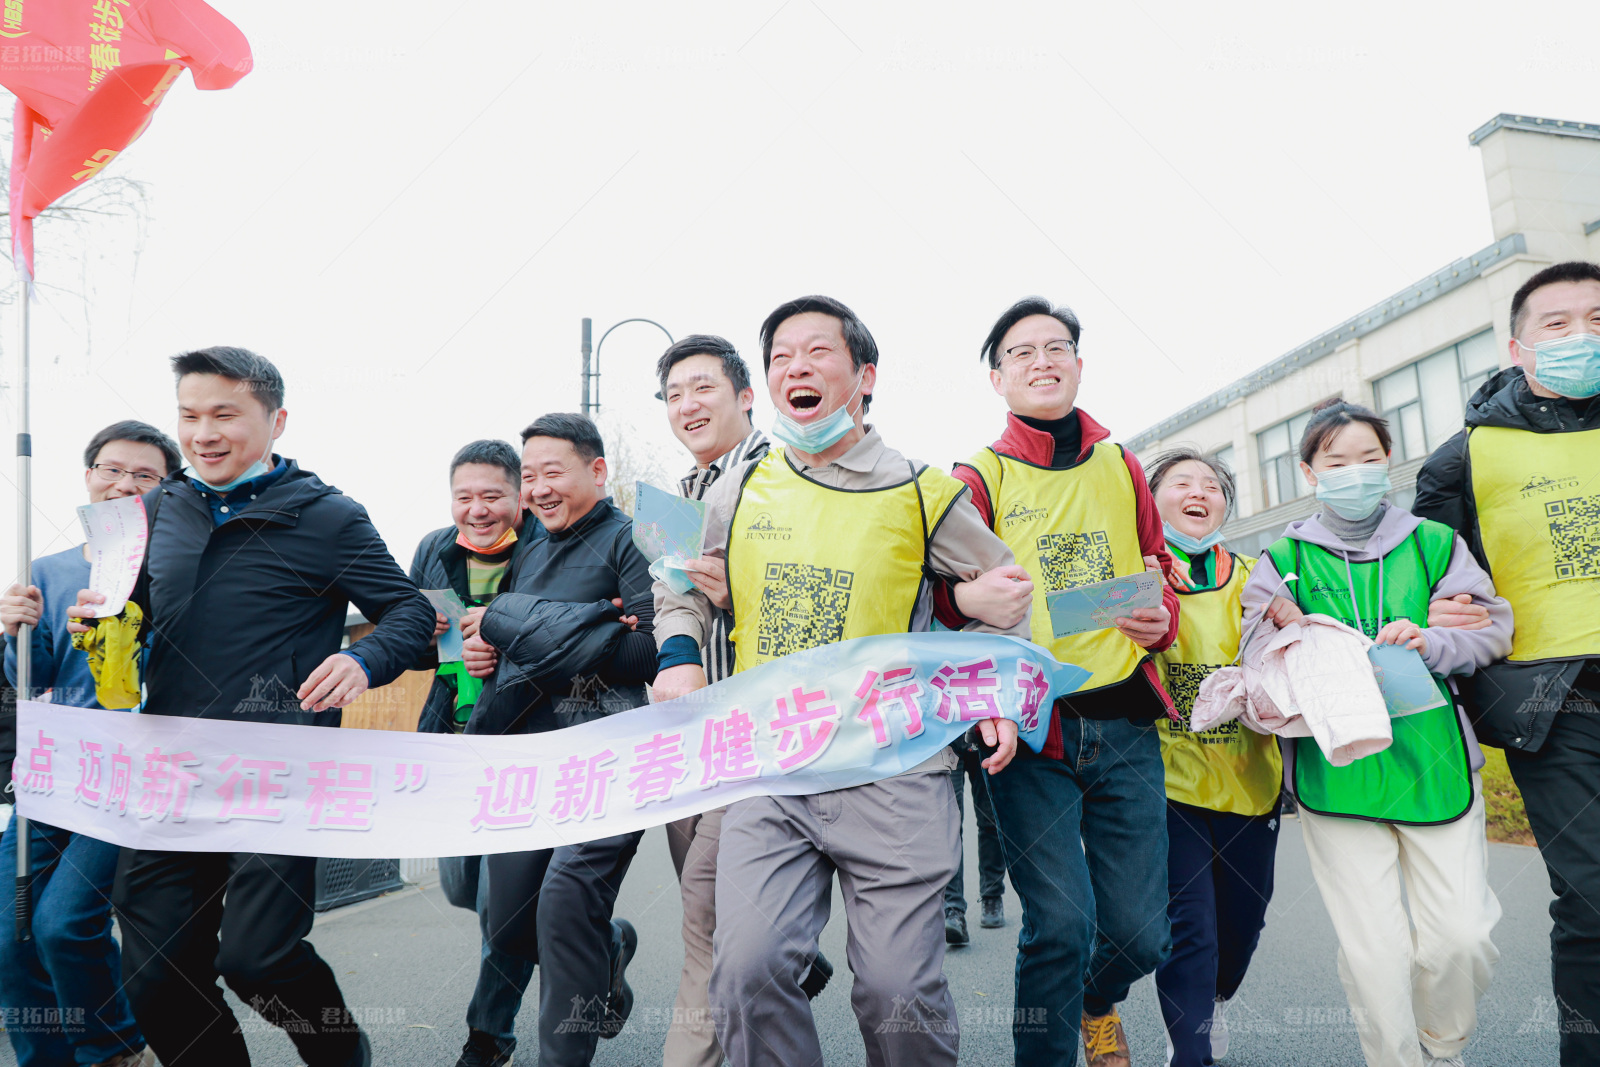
1069	528
1538	502
809	564
1227	768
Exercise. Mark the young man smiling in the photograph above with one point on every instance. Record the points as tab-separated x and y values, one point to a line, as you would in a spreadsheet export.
474	557
849	505
71	964
1075	509
569	641
250	568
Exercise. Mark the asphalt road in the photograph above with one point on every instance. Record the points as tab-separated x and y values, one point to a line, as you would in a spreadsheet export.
408	961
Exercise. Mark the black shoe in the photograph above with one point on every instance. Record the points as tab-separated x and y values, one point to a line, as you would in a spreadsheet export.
619	1004
816	979
994	913
955	928
486	1050
363	1057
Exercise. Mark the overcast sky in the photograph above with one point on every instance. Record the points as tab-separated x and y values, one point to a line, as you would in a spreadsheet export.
410	206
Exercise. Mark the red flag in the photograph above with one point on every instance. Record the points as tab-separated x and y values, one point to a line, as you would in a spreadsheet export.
88	76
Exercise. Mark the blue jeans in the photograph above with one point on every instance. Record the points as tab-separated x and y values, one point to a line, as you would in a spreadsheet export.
1085	839
62	991
1219	872
502	977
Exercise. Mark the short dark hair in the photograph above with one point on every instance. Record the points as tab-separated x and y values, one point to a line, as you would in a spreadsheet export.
1028	305
1331	416
857	338
577	430
257	375
140	433
704	344
1163	464
1574	270
490	452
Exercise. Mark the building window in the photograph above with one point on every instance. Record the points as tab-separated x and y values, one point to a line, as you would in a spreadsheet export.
1278	447
1425	402
1225	457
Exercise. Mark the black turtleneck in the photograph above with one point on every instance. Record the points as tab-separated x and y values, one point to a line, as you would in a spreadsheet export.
1068	433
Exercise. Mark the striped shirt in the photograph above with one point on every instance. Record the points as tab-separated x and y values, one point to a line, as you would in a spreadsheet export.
718	650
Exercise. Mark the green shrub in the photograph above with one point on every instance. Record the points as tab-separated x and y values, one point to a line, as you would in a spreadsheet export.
1508	820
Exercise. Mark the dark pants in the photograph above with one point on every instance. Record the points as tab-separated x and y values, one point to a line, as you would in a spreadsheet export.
1219	881
991	858
1560	784
1085	841
502	978
554	907
61	993
190	917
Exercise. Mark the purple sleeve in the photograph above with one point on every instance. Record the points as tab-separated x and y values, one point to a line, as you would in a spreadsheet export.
1455	651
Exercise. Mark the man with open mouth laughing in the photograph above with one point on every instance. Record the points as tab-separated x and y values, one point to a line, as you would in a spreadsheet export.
825	540
1075	509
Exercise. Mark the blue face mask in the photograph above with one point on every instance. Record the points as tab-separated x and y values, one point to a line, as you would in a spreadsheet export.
1568	366
818	436
1354	492
1191	546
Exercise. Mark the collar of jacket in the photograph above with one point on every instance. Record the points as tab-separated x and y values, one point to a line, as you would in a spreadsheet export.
280	500
454	558
1038	447
1506	400
754	444
603	511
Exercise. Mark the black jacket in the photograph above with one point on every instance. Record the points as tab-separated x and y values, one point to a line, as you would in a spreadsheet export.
239	615
440	563
564	657
1512	704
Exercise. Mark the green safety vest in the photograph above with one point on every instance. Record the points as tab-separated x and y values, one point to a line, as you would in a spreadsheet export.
1424	777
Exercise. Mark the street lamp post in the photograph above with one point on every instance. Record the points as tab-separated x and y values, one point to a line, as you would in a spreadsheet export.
591	367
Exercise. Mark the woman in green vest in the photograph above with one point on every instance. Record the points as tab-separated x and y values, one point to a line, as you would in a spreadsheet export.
1413	812
1222	784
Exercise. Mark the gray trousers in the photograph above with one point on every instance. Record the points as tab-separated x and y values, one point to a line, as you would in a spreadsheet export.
893	845
692	1036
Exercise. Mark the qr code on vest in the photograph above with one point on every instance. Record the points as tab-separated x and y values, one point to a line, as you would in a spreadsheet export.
801	607
1183	683
1575	536
1075	559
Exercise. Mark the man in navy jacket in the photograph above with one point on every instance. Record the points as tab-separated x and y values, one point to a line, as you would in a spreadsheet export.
248	575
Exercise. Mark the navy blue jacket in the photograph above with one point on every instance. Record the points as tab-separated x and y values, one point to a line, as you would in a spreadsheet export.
238	615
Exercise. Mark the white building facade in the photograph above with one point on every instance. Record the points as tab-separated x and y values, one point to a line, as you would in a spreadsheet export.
1416	357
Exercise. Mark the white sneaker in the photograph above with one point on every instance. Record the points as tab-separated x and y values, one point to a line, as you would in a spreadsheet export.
1219	1029
1430	1060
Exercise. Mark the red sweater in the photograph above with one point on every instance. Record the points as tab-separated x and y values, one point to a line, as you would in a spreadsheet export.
1038	447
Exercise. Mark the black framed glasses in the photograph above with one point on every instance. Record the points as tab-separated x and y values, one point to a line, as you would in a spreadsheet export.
112	475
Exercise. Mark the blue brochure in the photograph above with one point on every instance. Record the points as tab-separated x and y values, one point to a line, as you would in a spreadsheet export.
669	529
1098	605
1405	681
446	603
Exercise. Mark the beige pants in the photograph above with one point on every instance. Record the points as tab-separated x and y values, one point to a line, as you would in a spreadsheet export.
692	1036
1410	981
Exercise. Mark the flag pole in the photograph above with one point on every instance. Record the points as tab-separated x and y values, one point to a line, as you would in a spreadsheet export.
19	825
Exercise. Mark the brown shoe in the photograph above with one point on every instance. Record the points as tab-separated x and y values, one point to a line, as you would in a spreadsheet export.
1104	1043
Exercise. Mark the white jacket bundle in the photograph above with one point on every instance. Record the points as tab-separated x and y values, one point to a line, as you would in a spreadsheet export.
1313	680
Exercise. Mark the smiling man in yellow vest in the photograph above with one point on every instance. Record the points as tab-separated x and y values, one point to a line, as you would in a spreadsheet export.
832	537
1521	484
1074	508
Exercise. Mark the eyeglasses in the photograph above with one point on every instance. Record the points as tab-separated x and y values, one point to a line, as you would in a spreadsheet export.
1023	354
112	475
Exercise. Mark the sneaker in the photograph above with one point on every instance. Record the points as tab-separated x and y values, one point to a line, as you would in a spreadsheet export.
1431	1060
143	1058
994	913
1219	1029
1104	1043
955	928
816	979
486	1050
619	1004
